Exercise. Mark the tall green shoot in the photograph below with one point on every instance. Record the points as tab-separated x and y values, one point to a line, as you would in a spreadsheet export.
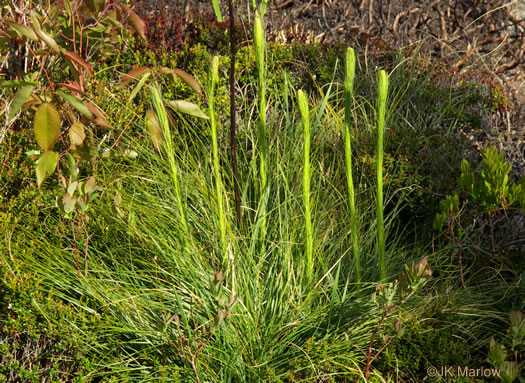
213	78
259	61
382	91
305	117
160	109
233	116
217	10
262	6
350	61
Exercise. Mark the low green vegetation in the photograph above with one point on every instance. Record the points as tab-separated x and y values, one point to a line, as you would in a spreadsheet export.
355	258
509	361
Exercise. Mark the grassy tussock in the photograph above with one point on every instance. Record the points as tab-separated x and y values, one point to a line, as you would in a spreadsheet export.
192	294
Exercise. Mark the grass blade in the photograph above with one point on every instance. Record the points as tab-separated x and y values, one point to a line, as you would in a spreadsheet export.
160	109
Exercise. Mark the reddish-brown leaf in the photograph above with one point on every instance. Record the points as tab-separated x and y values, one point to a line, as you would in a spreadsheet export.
74	70
136	22
102	123
133	75
95	110
74	87
95	5
79	60
188	79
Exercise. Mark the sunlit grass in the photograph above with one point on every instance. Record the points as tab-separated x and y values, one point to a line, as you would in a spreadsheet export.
158	267
160	109
213	78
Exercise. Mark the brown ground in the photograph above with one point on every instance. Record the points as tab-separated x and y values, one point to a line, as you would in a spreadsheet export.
473	37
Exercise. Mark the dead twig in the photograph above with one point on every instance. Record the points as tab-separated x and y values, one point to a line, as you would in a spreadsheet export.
403	14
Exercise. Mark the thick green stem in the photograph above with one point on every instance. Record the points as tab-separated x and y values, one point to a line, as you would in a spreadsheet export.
263	152
233	122
305	117
382	91
349	85
213	78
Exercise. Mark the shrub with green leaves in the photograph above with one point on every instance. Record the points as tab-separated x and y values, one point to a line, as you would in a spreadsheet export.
490	189
508	356
51	49
475	220
417	345
37	340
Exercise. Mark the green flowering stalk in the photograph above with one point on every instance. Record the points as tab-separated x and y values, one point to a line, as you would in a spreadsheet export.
305	117
382	91
350	61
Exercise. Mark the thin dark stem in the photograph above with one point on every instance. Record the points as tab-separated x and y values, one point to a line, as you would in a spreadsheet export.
381	350
461	269
86	246
458	246
75	247
195	369
43	69
369	355
233	122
